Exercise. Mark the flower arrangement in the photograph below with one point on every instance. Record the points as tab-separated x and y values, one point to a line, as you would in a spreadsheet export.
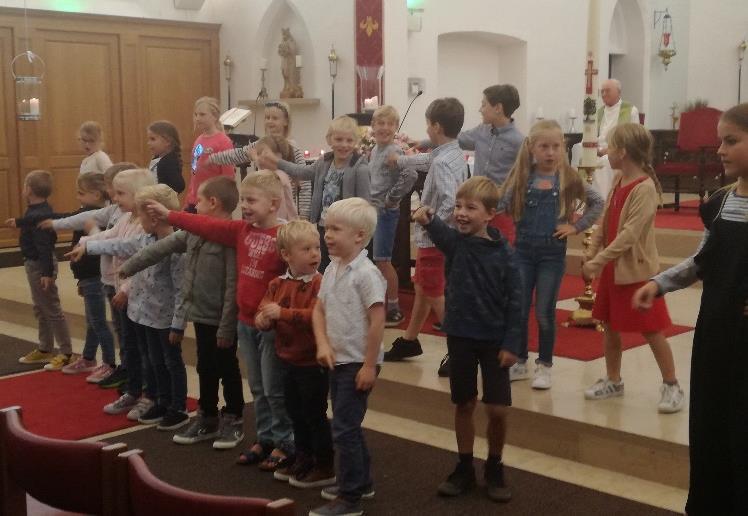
368	142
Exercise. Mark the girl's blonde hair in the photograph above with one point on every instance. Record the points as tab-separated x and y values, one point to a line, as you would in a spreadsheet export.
214	107
571	188
637	142
133	180
277	145
343	124
160	193
283	108
93	130
93	182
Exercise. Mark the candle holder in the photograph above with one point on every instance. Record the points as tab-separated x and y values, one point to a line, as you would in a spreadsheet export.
263	95
572	127
28	85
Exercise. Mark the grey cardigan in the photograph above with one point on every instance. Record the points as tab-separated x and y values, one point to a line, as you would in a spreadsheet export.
355	179
208	293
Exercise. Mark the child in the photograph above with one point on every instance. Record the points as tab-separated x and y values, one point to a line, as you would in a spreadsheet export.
719	402
277	124
211	140
348	324
388	188
257	263
38	250
280	147
541	196
90	137
211	306
150	307
482	322
339	174
166	165
444	118
287	306
624	248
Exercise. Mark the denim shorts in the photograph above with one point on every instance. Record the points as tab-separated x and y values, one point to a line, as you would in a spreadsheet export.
385	233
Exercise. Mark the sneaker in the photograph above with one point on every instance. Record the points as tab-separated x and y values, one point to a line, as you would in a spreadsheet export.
402	348
542	377
80	366
496	488
313	477
671	400
36	357
437	326
172	420
332	492
141	407
231	432
603	389
115	379
202	428
122	405
518	372
394	318
147	412
460	481
59	361
443	370
99	374
338	507
288	468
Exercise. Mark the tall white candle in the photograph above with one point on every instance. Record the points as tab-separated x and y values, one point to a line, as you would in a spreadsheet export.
263	64
34	106
298	61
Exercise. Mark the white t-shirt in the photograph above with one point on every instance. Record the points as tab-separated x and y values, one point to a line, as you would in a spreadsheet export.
97	162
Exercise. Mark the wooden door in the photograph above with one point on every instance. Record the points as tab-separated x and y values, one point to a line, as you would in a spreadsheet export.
10	187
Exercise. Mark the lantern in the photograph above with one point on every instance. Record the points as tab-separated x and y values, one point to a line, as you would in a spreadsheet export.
28	71
666	49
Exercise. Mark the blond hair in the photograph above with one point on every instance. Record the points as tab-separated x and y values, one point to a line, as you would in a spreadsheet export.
265	180
133	180
93	182
571	188
637	141
93	130
294	232
343	124
386	112
357	213
214	107
481	189
160	193
222	188
39	182
115	169
277	145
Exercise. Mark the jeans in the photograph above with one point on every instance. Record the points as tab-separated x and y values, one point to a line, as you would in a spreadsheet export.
385	233
109	292
266	373
136	356
166	368
97	329
306	389
542	263
214	365
349	408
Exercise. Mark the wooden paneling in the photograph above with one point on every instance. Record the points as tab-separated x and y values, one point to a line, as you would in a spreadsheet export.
10	194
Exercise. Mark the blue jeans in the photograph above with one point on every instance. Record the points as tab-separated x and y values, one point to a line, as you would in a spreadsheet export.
348	411
109	292
97	330
266	382
385	233
166	368
542	262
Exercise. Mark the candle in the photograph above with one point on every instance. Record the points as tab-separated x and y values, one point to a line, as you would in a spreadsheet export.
306	153
298	61
322	152
34	106
572	113
263	64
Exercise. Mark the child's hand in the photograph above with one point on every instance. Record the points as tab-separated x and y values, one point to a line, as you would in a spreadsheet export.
366	377
11	223
589	270
422	215
271	311
119	301
267	160
262	322
253	155
564	230
45	224
46	282
391	160
175	338
644	297
325	356
507	358
77	253
157	210
222	343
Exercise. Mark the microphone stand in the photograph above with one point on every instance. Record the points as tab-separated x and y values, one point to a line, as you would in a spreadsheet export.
420	92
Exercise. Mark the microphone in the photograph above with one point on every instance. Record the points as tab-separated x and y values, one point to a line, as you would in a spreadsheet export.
420	92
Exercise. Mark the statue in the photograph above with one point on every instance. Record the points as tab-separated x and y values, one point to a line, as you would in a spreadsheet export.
291	73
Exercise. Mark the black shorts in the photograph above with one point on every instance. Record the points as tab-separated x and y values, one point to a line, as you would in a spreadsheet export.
464	356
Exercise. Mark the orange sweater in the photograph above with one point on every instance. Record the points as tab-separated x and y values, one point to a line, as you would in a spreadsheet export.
294	338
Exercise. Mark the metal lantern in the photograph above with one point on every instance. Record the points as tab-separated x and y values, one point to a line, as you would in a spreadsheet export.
28	84
666	49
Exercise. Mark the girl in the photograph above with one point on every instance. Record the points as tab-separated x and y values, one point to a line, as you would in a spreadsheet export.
719	397
541	194
627	260
277	123
90	137
166	165
282	149
211	140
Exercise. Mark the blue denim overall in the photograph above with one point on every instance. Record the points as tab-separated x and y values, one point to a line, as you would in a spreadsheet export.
542	259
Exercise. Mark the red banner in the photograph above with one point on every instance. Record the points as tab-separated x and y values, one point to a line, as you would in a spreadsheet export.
369	51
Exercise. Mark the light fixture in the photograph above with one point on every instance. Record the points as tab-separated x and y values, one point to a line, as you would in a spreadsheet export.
332	58
28	85
666	48
228	64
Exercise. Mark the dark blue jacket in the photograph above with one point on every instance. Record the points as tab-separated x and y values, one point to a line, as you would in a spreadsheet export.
38	244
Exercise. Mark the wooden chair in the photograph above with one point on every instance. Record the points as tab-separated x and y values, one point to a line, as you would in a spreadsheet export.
695	158
71	476
146	495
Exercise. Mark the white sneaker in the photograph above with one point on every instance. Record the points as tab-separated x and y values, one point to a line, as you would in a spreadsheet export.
122	404
519	372
542	378
603	389
141	407
671	400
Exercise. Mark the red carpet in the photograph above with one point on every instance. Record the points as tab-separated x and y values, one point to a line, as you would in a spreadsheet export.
63	406
687	218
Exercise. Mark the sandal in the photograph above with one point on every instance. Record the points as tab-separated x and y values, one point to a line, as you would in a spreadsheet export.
271	461
256	453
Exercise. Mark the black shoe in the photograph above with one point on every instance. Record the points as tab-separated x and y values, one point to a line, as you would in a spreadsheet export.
443	371
401	349
495	486
153	415
459	482
117	378
172	420
394	318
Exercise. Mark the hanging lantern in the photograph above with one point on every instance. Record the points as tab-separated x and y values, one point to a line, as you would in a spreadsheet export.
28	71
667	42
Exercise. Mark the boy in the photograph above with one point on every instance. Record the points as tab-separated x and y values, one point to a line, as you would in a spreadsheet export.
444	118
348	325
287	306
38	250
257	263
388	188
482	322
211	306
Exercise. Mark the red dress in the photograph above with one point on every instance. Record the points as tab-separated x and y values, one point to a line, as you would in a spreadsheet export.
613	302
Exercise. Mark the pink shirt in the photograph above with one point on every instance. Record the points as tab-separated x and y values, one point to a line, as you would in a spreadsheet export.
202	170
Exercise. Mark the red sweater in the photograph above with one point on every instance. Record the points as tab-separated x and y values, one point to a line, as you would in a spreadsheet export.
294	338
202	170
257	260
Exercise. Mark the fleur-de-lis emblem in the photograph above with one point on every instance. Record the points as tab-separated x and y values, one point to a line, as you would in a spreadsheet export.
369	25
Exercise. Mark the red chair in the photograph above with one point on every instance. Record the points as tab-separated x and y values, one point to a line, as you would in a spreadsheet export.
696	154
148	496
71	476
